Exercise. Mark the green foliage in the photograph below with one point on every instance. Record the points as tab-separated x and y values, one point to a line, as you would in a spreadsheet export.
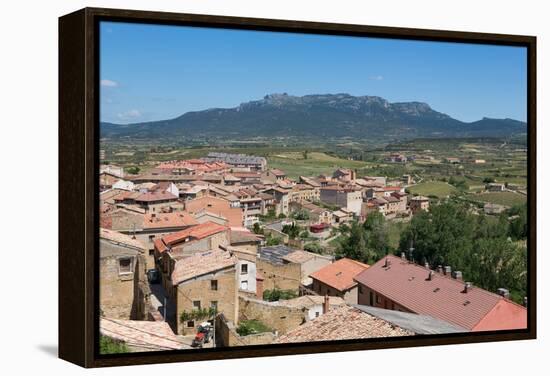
367	242
477	245
277	294
110	346
282	216
488	180
198	314
271	240
518	224
459	183
134	170
247	327
257	229
293	231
304	234
314	247
301	215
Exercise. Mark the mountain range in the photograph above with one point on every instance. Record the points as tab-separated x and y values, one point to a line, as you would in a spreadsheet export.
316	116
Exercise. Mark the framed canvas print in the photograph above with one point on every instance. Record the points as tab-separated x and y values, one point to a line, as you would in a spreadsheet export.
235	187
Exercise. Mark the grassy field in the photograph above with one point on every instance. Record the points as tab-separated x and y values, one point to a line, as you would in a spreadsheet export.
501	198
294	164
433	188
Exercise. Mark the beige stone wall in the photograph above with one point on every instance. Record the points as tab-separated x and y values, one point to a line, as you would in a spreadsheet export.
200	290
226	335
284	277
316	263
121	295
350	296
278	317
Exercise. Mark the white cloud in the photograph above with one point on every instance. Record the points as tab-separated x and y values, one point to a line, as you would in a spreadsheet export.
376	78
129	115
108	83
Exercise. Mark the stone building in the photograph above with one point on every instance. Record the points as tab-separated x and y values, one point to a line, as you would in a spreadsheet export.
124	292
204	281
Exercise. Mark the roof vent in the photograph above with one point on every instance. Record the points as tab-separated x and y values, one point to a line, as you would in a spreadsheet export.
447	270
504	293
403	257
430	275
437	289
386	263
440	269
467	287
466	303
457	274
525	301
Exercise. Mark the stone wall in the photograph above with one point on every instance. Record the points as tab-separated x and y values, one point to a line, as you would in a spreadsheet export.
226	335
199	289
284	277
278	317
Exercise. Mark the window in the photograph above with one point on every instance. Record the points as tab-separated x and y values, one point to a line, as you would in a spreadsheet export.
151	237
213	284
371	298
151	252
316	314
214	305
196	304
125	265
378	299
360	289
244	269
244	285
190	323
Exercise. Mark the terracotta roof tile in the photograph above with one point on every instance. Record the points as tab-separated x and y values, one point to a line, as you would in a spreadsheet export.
199	231
162	220
200	264
342	323
340	274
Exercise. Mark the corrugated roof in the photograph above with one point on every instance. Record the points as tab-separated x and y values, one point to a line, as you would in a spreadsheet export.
275	254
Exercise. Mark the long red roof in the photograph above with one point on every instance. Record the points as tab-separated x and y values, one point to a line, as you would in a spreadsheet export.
441	297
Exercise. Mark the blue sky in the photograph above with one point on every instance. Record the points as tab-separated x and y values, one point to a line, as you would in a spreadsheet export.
152	72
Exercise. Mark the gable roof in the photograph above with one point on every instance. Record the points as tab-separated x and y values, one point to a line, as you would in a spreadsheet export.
308	301
200	264
196	232
298	256
341	323
118	238
340	274
162	220
155	196
441	297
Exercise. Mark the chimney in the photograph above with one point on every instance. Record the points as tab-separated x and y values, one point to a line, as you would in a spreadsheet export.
403	256
467	286
386	263
525	301
504	293
259	287
440	269
427	265
326	305
430	275
457	274
447	270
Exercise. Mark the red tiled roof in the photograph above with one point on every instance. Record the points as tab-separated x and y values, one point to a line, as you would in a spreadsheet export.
442	297
155	196
196	232
340	274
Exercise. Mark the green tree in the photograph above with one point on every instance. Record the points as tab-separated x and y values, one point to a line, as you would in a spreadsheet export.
293	231
134	170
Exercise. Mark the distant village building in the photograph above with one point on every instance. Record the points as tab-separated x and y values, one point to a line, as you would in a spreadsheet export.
347	198
418	204
275	271
113	170
396	158
495	187
493	209
452	160
238	160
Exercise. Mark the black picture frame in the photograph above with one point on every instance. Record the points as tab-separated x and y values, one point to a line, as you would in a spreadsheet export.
79	193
